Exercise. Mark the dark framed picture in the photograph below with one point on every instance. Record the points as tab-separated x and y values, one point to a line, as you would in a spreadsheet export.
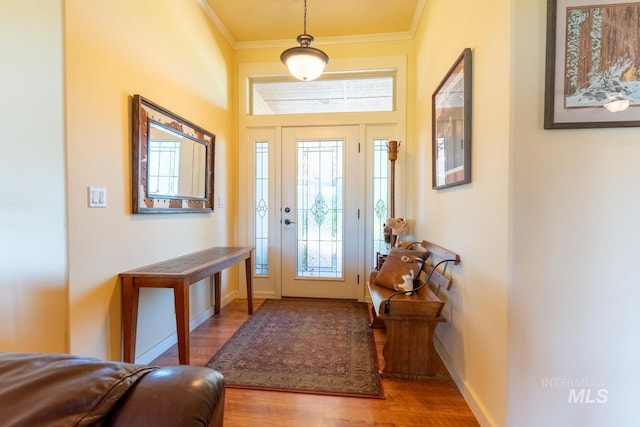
451	126
592	64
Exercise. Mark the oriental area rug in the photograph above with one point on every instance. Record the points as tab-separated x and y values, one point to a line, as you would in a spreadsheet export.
306	346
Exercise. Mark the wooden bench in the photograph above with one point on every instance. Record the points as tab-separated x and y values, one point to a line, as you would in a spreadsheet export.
410	320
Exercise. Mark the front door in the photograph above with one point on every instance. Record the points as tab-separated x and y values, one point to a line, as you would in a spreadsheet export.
319	212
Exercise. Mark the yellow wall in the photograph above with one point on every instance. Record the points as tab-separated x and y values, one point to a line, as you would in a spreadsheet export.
33	252
71	70
167	52
472	219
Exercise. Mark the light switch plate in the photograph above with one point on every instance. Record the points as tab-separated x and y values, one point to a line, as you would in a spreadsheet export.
97	197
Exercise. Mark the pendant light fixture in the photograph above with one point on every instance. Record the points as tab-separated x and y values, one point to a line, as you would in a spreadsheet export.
305	62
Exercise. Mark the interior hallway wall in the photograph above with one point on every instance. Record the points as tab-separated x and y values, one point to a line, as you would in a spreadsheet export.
472	219
168	52
543	307
33	226
573	316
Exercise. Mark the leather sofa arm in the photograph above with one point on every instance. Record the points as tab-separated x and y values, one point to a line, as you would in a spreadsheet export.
187	396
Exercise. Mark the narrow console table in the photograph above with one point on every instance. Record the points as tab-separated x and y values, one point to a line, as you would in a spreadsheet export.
178	273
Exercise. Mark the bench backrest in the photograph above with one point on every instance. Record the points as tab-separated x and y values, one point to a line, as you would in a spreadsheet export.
433	273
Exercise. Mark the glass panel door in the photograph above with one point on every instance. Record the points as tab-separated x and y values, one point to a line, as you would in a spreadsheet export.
319	212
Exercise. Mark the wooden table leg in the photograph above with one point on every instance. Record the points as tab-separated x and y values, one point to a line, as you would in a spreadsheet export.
181	301
216	292
248	274
130	298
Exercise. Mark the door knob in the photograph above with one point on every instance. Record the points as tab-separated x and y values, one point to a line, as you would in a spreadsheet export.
288	221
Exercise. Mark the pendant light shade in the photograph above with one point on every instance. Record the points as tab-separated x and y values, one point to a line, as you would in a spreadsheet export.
305	62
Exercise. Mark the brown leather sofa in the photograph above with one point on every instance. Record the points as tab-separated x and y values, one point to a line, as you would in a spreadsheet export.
66	390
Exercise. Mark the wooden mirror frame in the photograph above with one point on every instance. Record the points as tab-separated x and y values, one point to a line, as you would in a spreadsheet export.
144	113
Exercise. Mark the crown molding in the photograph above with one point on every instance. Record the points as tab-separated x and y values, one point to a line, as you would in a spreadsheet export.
417	16
363	38
217	22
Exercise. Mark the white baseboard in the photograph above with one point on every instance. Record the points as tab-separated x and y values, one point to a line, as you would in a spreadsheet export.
264	295
164	345
466	392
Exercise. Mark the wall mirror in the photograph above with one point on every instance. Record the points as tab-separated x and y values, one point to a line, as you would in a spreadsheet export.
173	162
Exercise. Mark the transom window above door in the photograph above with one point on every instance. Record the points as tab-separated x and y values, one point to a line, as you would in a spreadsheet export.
342	93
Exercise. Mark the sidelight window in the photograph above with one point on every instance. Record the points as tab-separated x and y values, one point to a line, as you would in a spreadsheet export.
261	208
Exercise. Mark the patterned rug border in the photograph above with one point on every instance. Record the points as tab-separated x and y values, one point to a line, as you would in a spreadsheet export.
373	355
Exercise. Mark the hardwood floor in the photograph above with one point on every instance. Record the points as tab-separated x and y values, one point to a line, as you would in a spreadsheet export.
406	403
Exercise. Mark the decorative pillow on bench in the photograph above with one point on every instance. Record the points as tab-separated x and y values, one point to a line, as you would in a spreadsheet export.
400	269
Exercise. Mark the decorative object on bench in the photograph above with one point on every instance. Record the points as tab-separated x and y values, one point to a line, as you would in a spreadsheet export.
411	319
386	231
399	227
62	389
400	269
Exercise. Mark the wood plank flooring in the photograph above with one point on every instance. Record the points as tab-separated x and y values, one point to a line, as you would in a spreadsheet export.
406	403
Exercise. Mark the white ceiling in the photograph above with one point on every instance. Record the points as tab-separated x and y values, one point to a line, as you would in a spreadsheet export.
253	23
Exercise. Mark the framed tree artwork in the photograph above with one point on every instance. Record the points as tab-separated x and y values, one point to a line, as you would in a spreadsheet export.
592	64
451	126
